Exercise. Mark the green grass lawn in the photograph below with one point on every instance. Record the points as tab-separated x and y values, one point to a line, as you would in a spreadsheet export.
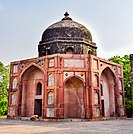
3	116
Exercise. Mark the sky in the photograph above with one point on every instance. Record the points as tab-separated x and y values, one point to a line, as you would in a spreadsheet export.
22	23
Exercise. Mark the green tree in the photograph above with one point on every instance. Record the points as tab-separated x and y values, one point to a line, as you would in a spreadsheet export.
3	106
4	85
125	61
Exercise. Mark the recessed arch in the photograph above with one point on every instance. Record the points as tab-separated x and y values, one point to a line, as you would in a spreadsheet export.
39	88
107	67
51	79
14	83
75	77
13	99
90	52
50	98
120	84
69	50
96	80
74	98
47	51
96	98
32	77
32	65
109	81
121	99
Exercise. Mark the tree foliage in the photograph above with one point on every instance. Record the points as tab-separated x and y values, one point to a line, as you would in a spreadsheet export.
4	85
3	106
125	61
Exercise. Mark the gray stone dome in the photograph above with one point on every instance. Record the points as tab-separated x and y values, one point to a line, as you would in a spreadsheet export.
66	28
65	34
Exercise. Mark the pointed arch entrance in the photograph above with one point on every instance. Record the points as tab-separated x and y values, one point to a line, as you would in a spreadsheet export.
108	81
32	79
74	98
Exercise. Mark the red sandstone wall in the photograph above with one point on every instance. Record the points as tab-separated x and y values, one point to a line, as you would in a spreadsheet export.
62	67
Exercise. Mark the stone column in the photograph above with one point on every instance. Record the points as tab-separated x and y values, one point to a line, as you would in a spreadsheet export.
19	97
24	91
87	92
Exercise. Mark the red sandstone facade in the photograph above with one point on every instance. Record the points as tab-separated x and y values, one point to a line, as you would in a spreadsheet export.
66	86
67	80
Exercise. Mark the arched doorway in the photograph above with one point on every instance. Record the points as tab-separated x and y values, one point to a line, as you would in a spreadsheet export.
38	102
32	91
74	98
108	93
38	107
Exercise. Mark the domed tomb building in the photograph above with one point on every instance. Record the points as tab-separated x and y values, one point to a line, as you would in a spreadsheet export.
67	80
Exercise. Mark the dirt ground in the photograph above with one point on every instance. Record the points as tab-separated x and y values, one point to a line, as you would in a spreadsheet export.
118	126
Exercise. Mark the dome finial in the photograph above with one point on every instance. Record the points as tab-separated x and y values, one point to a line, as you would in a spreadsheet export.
66	16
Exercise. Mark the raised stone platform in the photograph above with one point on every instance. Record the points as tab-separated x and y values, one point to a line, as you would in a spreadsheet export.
70	119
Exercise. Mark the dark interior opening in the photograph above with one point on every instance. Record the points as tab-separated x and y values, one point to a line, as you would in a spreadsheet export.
101	89
39	89
90	52
69	50
47	51
38	107
102	101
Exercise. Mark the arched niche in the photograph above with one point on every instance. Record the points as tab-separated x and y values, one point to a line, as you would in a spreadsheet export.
32	86
69	50
39	88
51	80
96	98
108	92
120	84
74	98
121	99
50	98
96	80
13	99
14	83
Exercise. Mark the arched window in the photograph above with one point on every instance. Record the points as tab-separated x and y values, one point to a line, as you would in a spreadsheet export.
13	99
50	112
96	98
121	99
97	112
89	51
95	80
14	83
15	68
101	87
47	51
51	80
120	84
39	89
50	98
69	50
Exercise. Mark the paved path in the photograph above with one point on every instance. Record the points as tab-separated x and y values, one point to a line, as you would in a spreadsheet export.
123	126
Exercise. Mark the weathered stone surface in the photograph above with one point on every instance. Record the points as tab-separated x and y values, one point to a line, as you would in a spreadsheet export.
73	98
65	34
65	84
